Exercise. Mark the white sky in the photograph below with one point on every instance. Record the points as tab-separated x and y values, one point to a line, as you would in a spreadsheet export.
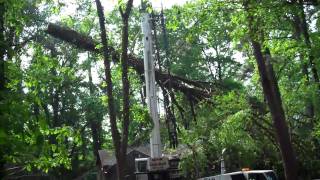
108	5
155	3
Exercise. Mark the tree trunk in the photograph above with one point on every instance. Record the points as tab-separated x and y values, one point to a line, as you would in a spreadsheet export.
297	33
95	125
199	90
55	113
2	78
306	36
55	99
273	97
125	88
272	94
312	64
107	70
120	145
218	60
169	115
2	47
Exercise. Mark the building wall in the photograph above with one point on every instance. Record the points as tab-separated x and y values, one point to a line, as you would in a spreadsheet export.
130	168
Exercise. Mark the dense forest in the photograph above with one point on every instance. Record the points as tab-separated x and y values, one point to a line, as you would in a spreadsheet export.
240	76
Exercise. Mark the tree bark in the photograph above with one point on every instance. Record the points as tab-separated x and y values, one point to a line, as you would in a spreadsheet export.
2	47
107	70
55	108
169	115
306	36
120	142
125	88
2	78
297	24
95	125
170	120
272	94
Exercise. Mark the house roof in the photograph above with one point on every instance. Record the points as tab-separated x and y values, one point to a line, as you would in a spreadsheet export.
108	158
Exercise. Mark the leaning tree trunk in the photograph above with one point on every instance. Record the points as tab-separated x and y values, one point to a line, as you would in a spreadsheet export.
272	94
274	101
107	70
199	90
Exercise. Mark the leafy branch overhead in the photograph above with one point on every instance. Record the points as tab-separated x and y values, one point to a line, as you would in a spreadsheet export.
195	90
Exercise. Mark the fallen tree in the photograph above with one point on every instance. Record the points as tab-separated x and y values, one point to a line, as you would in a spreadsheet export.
194	90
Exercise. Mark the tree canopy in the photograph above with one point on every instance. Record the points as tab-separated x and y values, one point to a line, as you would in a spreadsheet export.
237	75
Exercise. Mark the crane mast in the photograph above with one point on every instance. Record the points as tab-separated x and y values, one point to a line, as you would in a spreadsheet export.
155	140
157	166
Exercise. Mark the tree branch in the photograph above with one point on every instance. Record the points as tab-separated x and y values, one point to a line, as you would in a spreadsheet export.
196	89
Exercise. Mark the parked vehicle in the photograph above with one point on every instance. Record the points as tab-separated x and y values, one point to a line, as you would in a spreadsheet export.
244	175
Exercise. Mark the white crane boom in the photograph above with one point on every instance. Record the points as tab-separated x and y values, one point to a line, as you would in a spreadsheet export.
155	141
158	166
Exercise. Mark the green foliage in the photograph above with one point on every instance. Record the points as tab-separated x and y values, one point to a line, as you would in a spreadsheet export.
50	105
227	126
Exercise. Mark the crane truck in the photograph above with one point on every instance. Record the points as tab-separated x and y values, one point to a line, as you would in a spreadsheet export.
158	166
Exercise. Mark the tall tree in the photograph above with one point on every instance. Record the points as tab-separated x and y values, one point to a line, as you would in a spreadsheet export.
107	71
120	141
273	96
2	74
307	41
126	87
